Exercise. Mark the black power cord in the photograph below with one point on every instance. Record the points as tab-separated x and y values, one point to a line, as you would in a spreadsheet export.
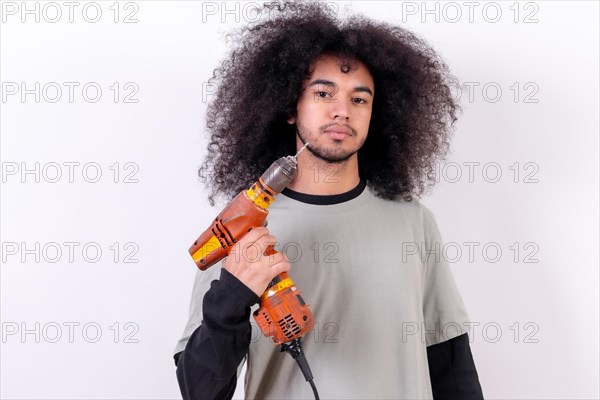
295	349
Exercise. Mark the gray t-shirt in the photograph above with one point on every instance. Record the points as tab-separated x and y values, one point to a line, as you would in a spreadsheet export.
380	292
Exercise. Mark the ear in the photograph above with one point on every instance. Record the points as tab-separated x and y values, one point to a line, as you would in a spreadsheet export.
291	120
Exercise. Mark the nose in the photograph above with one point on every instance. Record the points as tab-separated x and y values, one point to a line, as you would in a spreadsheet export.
340	110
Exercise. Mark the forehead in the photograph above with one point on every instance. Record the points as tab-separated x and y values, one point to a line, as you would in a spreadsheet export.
337	70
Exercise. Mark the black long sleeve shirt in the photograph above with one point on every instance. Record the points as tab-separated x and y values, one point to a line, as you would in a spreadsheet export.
207	367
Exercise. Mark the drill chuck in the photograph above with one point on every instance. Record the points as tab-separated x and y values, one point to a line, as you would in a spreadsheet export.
280	173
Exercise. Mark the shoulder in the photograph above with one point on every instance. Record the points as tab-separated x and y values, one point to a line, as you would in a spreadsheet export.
414	208
409	213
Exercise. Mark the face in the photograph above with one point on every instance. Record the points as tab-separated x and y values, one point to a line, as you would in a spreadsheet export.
334	109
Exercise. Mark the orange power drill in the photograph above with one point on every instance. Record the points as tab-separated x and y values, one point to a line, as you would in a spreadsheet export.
282	312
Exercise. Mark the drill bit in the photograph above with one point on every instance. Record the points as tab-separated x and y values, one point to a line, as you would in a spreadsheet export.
300	151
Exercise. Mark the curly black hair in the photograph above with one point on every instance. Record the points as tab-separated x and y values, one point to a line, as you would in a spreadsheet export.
259	83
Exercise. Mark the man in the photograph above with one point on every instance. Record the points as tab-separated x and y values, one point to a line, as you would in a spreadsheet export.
373	103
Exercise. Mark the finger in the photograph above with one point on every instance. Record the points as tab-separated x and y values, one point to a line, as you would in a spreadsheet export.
253	235
255	251
265	241
280	267
272	259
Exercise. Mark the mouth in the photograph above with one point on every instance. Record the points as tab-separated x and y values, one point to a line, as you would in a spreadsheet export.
338	132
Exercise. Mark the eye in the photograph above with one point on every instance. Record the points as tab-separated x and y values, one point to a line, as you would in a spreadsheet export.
360	101
321	92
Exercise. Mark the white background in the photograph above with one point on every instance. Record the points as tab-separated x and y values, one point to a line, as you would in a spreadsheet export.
73	328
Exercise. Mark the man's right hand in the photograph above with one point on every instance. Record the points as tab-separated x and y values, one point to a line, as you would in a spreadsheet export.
248	263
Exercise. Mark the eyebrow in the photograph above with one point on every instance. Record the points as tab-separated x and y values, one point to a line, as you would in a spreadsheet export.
325	82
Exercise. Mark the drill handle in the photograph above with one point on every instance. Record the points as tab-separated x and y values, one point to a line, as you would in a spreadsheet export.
270	250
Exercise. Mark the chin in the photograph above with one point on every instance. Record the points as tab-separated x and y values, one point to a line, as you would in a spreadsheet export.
331	158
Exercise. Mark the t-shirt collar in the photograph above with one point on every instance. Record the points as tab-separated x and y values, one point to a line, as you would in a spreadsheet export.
324	200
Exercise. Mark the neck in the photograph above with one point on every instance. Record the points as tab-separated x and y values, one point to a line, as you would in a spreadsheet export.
316	176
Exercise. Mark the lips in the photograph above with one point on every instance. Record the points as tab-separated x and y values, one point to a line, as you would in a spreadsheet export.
338	132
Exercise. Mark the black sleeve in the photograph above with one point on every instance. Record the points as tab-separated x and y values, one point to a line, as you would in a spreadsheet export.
207	367
452	370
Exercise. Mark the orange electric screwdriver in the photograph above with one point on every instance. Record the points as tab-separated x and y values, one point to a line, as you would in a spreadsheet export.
282	312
